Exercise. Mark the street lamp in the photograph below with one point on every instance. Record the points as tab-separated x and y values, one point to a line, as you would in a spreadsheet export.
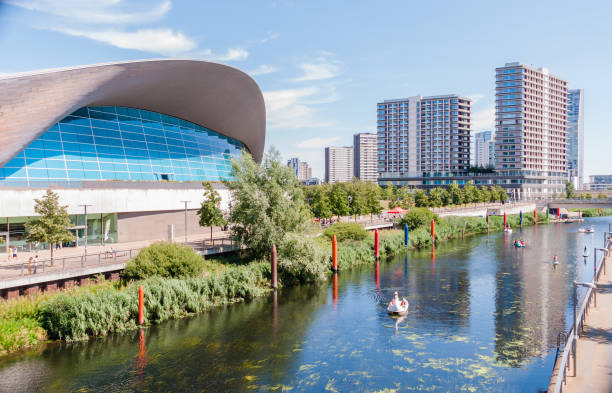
185	202
349	198
85	213
575	343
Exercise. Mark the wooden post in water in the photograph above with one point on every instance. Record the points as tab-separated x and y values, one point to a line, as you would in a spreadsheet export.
334	254
273	278
376	254
140	305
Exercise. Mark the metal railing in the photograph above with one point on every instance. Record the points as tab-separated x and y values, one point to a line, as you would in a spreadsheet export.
62	264
207	243
571	338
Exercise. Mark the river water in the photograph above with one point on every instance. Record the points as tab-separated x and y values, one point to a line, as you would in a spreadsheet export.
484	316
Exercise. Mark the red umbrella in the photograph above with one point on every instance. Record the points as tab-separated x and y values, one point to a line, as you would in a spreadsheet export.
397	210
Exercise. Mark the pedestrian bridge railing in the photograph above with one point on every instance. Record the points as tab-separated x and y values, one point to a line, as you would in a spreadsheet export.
562	362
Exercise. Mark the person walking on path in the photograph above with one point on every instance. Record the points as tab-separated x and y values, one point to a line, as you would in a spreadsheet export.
30	265
35	264
15	252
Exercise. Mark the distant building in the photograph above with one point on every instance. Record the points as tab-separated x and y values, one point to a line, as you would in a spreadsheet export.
530	129
338	164
423	137
484	149
313	181
600	182
294	163
575	137
301	169
364	157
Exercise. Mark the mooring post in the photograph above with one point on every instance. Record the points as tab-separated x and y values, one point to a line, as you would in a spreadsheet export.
334	253
535	216
140	305
406	240
273	267
433	232
505	221
376	254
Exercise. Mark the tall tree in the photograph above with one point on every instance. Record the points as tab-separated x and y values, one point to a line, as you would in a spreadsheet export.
435	197
373	199
52	225
267	202
338	199
570	190
319	201
210	212
420	198
455	194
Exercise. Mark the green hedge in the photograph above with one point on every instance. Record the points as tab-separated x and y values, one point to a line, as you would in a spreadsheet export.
346	231
166	260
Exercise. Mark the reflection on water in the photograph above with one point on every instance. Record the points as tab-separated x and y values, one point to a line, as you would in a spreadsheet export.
484	316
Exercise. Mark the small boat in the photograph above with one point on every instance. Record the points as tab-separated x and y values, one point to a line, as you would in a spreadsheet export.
585	253
508	230
518	244
586	230
397	306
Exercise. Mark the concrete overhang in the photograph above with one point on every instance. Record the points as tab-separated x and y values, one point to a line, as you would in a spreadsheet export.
215	96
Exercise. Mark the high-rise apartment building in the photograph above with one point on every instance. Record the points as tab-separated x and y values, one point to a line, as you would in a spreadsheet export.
575	137
338	164
423	137
301	169
365	156
530	129
305	171
484	149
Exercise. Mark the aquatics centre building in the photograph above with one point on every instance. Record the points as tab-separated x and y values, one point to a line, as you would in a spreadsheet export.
132	140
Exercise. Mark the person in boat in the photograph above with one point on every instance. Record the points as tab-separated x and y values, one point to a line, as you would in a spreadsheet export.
396	300
555	260
517	243
523	243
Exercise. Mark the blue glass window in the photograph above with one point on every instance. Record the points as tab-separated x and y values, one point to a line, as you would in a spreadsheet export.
117	143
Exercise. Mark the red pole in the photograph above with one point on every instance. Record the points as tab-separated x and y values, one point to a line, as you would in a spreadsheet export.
535	216
140	305
376	243
335	290
505	221
433	232
334	254
273	267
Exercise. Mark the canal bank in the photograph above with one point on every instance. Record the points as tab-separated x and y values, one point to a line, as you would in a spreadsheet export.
484	317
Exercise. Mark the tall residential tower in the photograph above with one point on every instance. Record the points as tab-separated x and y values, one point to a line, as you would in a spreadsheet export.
575	137
423	137
530	129
484	149
364	156
338	164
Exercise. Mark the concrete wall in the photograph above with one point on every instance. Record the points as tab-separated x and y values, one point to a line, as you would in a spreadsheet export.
526	208
136	226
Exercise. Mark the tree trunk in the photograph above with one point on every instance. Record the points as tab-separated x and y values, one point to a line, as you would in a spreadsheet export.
51	255
211	239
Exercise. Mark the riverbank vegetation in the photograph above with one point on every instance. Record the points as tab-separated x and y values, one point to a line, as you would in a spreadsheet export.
268	208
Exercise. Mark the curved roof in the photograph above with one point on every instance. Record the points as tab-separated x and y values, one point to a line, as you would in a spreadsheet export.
212	95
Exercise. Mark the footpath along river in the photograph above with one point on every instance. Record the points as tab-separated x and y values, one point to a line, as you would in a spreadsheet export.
484	317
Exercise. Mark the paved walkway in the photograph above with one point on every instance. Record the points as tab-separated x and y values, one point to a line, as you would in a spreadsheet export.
72	255
595	346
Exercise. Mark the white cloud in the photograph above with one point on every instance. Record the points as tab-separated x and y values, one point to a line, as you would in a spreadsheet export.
291	108
476	97
318	71
164	41
232	54
263	70
483	119
98	11
317	143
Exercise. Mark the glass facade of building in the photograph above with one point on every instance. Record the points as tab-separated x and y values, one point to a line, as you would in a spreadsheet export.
117	143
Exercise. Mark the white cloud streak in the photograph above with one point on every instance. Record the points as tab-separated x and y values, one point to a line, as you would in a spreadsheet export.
318	71
109	12
263	69
164	41
291	108
483	119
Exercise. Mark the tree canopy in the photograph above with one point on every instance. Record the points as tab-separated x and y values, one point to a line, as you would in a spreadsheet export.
210	212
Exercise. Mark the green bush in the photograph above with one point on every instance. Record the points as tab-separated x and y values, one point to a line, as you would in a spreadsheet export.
417	217
301	260
19	333
346	231
165	260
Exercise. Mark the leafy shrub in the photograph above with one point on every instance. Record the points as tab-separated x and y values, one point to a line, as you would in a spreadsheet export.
19	333
417	217
346	230
166	260
301	261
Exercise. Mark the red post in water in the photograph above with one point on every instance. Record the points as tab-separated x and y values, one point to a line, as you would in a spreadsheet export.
273	280
433	232
599	211
334	254
335	290
376	243
505	221
535	216
140	305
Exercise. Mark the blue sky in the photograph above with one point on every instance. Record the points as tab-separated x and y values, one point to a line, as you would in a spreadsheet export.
323	65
